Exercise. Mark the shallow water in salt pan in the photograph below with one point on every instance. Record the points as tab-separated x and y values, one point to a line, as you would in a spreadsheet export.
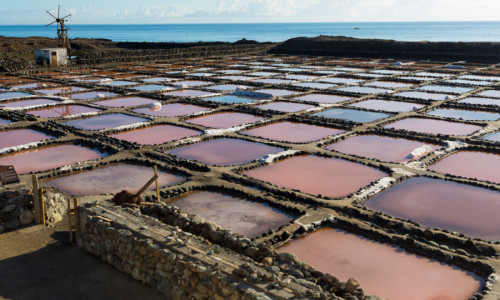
172	110
443	204
155	135
47	158
232	99
386	105
16	137
493	137
471	164
465	114
91	95
28	103
189	93
284	106
62	111
236	214
104	122
225	151
111	179
422	95
126	102
292	132
351	115
4	122
434	126
386	271
481	101
323	98
316	175
224	120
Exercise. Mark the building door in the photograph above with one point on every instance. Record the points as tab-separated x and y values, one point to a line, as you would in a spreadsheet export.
54	59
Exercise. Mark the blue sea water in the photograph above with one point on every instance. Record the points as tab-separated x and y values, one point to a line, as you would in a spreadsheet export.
271	32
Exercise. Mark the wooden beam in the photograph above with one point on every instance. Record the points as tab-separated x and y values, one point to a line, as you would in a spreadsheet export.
146	185
157	185
36	199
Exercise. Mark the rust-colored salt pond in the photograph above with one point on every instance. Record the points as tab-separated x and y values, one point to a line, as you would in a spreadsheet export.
91	95
224	120
471	164
104	122
443	204
28	103
383	148
284	106
331	177
189	93
172	110
62	111
292	132
323	98
386	105
434	126
16	137
386	271
126	102
225	151
155	135
234	213
47	158
111	179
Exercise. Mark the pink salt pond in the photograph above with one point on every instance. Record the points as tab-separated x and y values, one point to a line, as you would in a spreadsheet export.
383	148
172	110
28	103
126	102
285	106
443	204
104	122
386	271
234	213
323	98
224	120
189	93
434	126
47	158
16	137
111	179
470	164
292	132
331	177
62	111
225	151
156	134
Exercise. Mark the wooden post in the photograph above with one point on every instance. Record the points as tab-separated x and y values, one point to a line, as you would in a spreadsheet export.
42	206
70	223
157	185
36	199
77	218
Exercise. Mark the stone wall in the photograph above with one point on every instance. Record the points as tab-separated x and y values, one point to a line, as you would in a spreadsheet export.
56	207
16	207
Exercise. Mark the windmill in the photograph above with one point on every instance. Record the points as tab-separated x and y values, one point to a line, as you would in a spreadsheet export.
62	30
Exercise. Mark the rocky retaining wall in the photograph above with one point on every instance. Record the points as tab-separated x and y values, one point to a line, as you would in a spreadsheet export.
16	208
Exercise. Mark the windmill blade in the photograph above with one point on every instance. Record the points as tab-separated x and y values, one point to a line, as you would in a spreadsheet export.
51	14
50	24
58	10
66	16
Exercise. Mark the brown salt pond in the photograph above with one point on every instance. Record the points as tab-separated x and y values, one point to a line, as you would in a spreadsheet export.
471	164
62	111
292	132
434	126
16	137
386	105
443	204
225	151
155	135
111	179
47	158
224	120
104	122
126	102
331	177
172	110
386	271
234	213
323	98
384	148
28	103
288	107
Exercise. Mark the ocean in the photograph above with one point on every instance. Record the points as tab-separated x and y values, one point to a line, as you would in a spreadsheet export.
271	32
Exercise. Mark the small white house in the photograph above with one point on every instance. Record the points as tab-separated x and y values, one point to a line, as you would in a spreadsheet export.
53	56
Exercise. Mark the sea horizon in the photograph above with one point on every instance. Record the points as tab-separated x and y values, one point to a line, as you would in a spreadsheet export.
446	31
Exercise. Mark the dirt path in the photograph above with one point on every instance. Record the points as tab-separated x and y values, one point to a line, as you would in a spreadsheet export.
38	263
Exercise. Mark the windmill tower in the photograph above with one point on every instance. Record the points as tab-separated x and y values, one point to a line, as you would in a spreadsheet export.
62	30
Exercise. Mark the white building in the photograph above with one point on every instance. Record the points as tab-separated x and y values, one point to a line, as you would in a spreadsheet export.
53	56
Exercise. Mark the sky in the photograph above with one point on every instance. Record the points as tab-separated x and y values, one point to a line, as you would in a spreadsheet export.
247	11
